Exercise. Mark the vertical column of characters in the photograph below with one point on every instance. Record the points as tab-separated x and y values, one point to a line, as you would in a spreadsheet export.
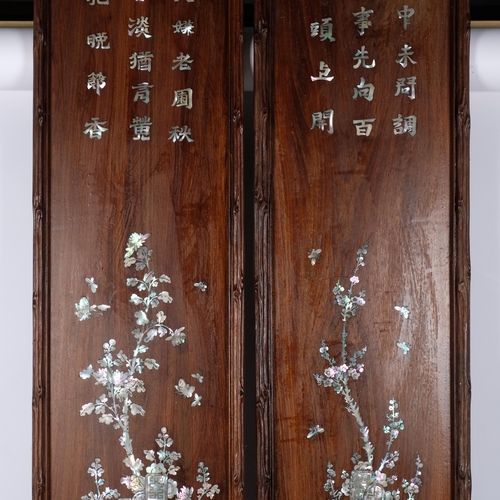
364	61
96	79
323	33
405	86
141	62
183	97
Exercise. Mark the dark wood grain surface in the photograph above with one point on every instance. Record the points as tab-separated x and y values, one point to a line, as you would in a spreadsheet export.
407	197
90	194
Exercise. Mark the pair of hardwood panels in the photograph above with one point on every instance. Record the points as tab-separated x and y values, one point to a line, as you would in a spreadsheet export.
360	133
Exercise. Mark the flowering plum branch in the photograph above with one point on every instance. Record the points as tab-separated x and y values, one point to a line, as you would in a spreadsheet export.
364	481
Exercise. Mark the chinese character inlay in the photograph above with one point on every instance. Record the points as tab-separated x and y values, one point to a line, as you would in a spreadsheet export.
180	133
98	40
98	2
141	61
138	27
363	127
183	97
188	1
405	14
325	30
95	128
96	82
324	71
182	62
362	20
405	125
365	90
322	119
404	56
184	27
142	128
406	86
361	57
142	92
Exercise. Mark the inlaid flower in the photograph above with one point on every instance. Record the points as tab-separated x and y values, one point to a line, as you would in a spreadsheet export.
201	285
142	319
185	493
196	400
314	255
381	478
314	431
135	241
184	389
92	284
403	311
404	346
83	309
177	337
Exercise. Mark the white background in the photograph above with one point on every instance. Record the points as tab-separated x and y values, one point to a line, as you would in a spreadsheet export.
16	261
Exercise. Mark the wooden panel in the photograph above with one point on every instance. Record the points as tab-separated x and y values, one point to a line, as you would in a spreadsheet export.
407	197
92	193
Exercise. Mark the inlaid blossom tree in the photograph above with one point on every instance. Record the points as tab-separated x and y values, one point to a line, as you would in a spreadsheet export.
120	376
366	481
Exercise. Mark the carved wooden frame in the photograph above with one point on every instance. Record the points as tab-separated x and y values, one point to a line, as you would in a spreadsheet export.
42	430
